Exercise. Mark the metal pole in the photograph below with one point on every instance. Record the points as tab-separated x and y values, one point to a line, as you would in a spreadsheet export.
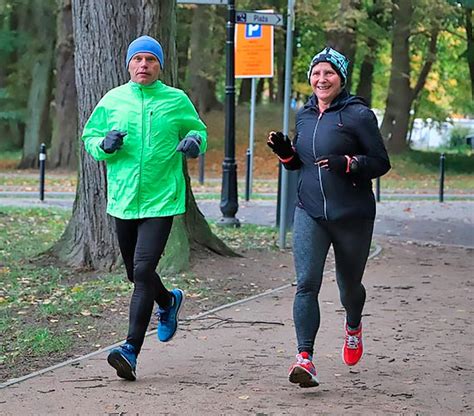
247	176
377	189
202	163
286	115
42	166
229	204
442	159
253	99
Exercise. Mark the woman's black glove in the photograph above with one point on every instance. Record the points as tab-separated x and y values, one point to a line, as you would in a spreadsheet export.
335	163
190	146
280	144
113	141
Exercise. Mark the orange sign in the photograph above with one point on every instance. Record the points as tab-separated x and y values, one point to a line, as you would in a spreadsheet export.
253	51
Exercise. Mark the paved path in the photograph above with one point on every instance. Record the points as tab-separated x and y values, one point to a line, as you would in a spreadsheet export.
446	223
417	360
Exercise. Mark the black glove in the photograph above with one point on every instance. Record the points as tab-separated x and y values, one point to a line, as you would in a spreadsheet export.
190	146
113	141
334	163
280	144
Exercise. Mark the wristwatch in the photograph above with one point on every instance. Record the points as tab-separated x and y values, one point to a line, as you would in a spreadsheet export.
354	165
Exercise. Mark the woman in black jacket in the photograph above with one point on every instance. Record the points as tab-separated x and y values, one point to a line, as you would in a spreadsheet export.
338	150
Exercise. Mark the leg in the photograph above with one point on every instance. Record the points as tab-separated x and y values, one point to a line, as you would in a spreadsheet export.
351	242
152	237
127	231
310	247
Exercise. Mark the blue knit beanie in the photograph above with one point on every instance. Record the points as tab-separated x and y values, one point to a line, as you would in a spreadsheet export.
338	61
145	44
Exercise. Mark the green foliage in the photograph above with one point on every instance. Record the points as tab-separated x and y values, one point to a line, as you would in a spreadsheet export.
457	138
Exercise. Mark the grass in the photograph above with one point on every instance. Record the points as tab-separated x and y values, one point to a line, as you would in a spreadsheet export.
45	307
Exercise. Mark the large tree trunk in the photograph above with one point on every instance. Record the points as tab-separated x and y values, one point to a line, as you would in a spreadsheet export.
342	34
202	77
470	47
64	139
37	118
245	90
89	240
400	97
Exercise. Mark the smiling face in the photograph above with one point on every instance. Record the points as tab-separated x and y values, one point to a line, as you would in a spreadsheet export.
144	68
325	82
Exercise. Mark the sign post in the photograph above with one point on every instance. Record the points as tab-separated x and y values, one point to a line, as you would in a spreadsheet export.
253	59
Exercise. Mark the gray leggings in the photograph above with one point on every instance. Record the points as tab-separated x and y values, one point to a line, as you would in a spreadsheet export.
311	241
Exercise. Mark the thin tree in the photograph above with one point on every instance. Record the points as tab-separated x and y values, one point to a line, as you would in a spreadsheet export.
102	31
63	152
401	94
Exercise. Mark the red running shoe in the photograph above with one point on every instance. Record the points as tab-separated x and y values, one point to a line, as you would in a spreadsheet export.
303	371
352	349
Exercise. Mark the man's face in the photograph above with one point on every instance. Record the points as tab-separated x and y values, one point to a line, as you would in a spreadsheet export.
144	68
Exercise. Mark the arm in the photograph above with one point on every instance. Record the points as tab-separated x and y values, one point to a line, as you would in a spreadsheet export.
192	125
374	162
94	133
285	151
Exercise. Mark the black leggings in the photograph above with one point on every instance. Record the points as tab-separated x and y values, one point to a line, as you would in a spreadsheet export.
311	241
142	243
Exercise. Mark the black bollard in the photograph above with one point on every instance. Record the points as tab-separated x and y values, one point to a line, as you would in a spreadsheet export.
247	177
377	189
442	159
202	162
42	166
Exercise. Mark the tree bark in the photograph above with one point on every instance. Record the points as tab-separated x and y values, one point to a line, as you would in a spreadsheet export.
202	76
89	240
37	118
342	35
470	47
245	90
400	97
64	139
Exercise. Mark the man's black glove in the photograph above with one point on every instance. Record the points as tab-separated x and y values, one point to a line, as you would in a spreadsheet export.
190	146
280	144
113	141
335	163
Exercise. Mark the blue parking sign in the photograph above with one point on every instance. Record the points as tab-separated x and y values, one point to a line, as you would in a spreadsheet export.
253	31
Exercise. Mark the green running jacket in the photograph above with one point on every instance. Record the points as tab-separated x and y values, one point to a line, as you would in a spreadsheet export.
145	177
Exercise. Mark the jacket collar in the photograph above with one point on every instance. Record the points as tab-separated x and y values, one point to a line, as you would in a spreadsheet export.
154	86
340	101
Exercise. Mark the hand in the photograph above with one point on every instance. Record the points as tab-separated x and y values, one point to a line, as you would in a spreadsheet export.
113	141
280	144
190	146
334	163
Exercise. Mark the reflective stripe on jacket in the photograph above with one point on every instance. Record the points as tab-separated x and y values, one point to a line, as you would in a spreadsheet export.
145	177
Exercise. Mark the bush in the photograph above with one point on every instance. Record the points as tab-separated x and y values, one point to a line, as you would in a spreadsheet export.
458	137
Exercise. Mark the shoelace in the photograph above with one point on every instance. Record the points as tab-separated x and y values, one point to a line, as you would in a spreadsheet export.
352	341
162	315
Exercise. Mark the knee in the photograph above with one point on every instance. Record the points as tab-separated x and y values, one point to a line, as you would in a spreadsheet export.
143	273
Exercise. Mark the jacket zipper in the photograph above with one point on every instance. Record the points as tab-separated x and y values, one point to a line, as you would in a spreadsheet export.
141	154
149	129
319	168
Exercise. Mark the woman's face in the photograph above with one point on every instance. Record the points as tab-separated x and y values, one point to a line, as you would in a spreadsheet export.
325	82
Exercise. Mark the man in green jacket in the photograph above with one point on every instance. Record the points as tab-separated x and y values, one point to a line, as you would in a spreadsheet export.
142	129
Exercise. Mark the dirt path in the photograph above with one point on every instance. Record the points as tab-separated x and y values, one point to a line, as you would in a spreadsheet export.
418	354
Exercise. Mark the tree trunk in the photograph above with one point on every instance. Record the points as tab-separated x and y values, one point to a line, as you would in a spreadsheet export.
202	80
400	97
342	35
37	128
64	139
245	90
470	47
364	88
89	240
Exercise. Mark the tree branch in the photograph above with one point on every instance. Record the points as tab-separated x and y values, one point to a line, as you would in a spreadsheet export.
430	58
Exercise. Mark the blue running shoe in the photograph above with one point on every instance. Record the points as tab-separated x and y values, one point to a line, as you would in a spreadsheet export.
124	360
168	318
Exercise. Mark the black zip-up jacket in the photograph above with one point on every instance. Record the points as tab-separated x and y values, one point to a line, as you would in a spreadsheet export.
347	127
